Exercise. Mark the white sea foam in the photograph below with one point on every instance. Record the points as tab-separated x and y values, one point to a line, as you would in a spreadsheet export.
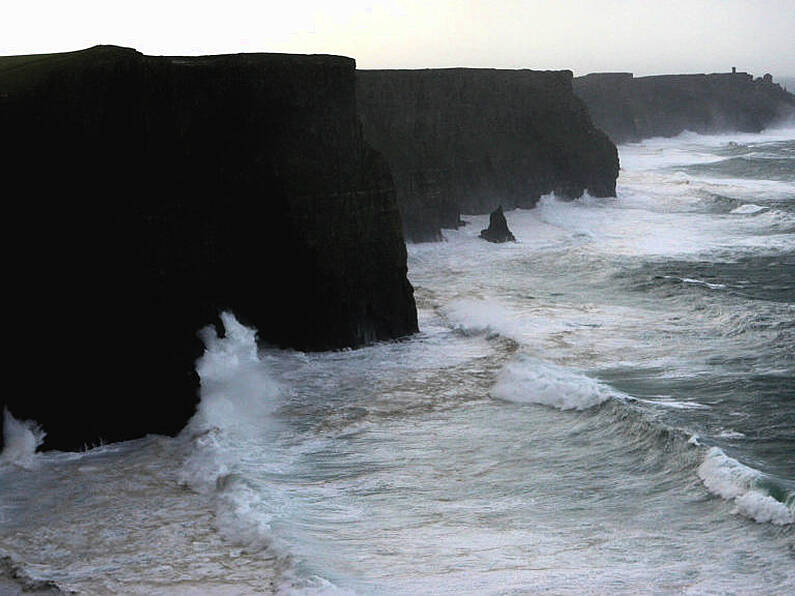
477	317
22	438
312	586
531	380
235	414
729	479
701	282
764	508
780	133
235	455
242	514
668	402
638	225
698	282
237	393
425	500
730	434
748	209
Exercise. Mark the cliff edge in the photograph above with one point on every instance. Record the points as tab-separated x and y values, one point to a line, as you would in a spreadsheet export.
466	140
632	108
148	193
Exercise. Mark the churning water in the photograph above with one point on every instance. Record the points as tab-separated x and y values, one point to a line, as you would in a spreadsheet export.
607	405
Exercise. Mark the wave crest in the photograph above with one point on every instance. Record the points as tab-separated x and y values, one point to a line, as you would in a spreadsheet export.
238	399
729	479
531	380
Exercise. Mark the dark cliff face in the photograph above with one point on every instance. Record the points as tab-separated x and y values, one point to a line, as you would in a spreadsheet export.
149	193
467	140
630	109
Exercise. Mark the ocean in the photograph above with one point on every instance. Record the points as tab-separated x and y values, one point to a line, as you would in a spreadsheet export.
605	406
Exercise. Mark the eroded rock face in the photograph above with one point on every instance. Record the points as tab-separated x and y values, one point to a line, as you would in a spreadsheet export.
152	192
467	140
498	228
630	109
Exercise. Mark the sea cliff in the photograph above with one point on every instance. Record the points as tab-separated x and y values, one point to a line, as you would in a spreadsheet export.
632	108
468	140
146	194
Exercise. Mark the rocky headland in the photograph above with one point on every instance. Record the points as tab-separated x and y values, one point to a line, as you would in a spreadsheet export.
145	194
630	108
466	140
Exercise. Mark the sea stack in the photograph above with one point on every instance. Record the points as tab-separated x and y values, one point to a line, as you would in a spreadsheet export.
152	193
498	228
465	140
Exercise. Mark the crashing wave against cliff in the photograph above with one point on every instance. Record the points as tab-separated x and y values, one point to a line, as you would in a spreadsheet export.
153	192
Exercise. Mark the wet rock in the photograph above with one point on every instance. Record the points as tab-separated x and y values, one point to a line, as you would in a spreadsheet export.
498	228
15	582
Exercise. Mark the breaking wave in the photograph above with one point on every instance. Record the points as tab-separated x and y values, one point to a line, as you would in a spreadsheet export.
22	438
733	481
471	316
238	399
235	454
531	380
748	209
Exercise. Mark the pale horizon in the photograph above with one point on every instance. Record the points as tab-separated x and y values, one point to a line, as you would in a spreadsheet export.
605	36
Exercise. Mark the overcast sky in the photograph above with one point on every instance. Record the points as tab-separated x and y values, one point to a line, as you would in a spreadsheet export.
642	36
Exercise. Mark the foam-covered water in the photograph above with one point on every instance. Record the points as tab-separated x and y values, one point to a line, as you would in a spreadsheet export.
605	406
531	380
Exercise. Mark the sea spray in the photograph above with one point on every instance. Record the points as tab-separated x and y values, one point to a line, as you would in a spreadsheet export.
22	438
236	455
237	394
235	415
388	469
471	316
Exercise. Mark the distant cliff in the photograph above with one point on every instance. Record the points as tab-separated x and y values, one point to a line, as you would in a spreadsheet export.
467	140
629	109
147	193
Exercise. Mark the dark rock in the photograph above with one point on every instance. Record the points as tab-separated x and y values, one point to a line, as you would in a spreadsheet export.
466	140
629	109
149	193
14	580
498	228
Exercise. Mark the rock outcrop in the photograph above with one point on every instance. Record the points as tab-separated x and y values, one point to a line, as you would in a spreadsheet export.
467	140
630	109
498	228
146	194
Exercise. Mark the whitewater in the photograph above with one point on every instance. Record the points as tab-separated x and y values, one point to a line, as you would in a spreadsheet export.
606	405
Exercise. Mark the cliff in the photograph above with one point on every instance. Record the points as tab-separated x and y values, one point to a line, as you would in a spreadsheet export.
146	194
467	140
630	109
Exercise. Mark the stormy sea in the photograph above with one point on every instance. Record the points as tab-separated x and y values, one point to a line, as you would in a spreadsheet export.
605	406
